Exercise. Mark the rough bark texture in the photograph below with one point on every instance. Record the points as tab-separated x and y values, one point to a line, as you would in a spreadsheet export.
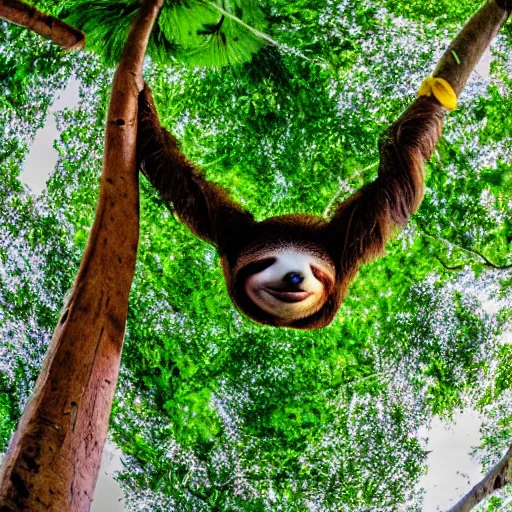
467	48
62	34
54	456
499	476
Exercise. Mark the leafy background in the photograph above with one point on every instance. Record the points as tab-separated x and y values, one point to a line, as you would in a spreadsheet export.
213	411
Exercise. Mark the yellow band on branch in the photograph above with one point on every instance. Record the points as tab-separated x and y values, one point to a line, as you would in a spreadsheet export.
442	91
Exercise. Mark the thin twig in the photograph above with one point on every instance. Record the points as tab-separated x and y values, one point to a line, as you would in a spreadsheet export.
354	177
266	37
448	267
214	162
333	198
474	252
253	30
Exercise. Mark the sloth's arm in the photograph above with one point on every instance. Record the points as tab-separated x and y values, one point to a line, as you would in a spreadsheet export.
361	225
204	207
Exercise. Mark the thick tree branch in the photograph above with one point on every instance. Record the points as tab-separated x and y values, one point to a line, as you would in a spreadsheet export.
499	476
466	50
54	456
60	33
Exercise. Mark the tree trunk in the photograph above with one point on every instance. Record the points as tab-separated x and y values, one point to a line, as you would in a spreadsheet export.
60	33
54	455
499	476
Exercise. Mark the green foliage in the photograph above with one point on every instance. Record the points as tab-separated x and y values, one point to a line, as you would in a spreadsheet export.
215	412
8	413
494	504
194	31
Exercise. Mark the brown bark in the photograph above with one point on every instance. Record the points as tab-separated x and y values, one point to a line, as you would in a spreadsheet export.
467	48
54	456
499	476
24	15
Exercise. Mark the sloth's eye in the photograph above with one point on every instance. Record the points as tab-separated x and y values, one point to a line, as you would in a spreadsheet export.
257	266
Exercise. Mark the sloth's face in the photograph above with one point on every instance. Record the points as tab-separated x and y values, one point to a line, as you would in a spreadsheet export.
289	284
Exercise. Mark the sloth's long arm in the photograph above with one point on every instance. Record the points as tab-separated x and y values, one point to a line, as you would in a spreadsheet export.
204	207
362	224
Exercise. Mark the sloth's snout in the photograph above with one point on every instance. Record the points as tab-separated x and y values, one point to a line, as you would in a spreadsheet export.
293	278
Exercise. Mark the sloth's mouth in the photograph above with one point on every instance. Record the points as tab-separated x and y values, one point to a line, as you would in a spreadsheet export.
288	296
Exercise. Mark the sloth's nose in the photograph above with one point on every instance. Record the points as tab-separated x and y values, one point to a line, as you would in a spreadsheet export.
293	278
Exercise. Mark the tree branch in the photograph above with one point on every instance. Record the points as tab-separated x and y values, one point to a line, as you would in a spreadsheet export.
467	48
485	261
360	175
54	456
446	266
499	476
60	33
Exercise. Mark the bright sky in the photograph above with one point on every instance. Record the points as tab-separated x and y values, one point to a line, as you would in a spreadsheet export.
108	496
449	444
451	471
42	156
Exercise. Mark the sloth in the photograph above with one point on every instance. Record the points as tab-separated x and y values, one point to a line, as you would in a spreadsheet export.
294	270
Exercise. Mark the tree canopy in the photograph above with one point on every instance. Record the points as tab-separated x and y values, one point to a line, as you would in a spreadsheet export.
213	411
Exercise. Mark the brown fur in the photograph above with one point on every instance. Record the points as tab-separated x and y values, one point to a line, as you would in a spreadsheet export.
505	4
360	226
356	233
